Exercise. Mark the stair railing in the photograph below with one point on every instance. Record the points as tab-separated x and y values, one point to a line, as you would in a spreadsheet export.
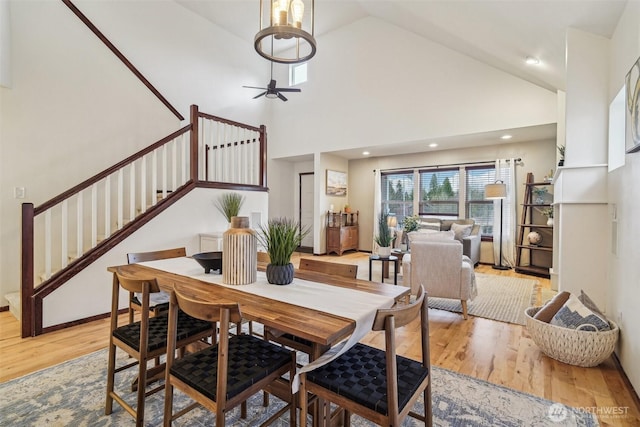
65	234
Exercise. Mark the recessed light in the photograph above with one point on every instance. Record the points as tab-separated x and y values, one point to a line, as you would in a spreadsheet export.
365	153
532	61
506	137
433	145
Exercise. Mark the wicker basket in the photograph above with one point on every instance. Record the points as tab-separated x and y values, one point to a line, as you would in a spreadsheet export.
580	348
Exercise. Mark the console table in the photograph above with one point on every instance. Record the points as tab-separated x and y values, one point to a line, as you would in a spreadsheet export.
342	231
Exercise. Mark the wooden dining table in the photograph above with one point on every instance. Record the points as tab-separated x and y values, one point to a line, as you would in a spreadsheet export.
320	328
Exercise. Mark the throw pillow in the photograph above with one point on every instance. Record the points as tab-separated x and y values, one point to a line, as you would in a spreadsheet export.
461	231
546	313
419	236
584	298
575	315
429	225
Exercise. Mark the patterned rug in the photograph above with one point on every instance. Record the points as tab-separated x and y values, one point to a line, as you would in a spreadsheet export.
499	298
73	394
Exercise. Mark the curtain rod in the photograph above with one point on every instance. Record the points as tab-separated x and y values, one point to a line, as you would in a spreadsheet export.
487	162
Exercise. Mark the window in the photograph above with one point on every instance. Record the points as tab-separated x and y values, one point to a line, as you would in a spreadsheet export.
476	206
397	194
439	192
450	191
297	74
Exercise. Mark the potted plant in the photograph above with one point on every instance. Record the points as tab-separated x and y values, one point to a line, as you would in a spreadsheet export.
384	237
281	237
229	204
548	212
561	151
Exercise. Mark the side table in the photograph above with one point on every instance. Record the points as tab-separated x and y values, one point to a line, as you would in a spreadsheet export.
385	262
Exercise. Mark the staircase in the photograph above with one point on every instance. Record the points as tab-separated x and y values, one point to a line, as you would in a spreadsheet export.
64	235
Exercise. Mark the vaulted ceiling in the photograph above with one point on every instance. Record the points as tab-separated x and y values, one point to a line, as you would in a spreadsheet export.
499	33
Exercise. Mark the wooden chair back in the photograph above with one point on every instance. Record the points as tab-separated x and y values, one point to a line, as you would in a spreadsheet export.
205	310
337	269
337	389
264	257
135	257
225	313
137	285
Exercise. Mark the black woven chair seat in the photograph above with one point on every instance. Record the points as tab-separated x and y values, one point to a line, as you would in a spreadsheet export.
187	326
360	375
250	360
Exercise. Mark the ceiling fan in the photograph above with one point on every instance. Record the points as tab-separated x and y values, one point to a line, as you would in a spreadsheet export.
271	91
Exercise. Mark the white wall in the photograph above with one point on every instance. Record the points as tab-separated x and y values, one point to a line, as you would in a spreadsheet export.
72	111
623	297
89	293
374	83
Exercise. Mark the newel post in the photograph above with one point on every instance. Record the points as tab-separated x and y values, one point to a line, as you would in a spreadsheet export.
263	155
194	144
26	271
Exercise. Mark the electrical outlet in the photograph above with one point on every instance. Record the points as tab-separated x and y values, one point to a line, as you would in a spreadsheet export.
19	192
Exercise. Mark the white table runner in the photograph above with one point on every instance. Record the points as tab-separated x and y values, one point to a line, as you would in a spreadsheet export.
349	303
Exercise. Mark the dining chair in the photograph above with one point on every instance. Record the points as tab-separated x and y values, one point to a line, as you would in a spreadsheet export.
334	268
226	374
159	302
145	340
378	385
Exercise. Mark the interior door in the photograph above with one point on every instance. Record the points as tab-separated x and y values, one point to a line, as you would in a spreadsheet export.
307	209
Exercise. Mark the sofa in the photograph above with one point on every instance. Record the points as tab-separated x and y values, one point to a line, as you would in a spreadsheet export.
466	231
438	265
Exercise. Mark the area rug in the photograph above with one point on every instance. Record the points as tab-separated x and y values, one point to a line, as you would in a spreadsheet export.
499	298
73	394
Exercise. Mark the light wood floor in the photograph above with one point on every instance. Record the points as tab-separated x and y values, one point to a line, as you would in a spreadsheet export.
497	352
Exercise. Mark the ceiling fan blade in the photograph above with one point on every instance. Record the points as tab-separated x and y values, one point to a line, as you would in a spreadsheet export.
254	87
258	96
288	89
281	96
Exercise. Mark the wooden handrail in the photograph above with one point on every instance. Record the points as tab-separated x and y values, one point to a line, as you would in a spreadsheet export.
229	122
121	57
96	178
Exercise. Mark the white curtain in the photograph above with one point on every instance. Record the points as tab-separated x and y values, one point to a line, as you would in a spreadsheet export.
505	172
377	201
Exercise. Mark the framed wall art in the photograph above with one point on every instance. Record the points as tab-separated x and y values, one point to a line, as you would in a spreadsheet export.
336	183
632	83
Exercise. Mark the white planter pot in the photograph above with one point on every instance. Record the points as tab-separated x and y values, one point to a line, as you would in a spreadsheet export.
384	252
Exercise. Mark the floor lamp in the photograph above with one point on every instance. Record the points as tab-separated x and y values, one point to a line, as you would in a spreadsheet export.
497	191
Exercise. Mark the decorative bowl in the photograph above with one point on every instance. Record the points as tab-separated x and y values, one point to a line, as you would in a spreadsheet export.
209	261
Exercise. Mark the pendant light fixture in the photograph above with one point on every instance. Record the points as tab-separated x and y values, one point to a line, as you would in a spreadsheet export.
286	20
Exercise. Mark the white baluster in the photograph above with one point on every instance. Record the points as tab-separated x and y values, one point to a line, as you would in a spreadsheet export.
47	244
132	191
79	225
154	177
174	164
94	215
64	233
143	184
107	207
164	171
120	199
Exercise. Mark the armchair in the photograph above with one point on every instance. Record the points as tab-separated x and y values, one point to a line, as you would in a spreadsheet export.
442	269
